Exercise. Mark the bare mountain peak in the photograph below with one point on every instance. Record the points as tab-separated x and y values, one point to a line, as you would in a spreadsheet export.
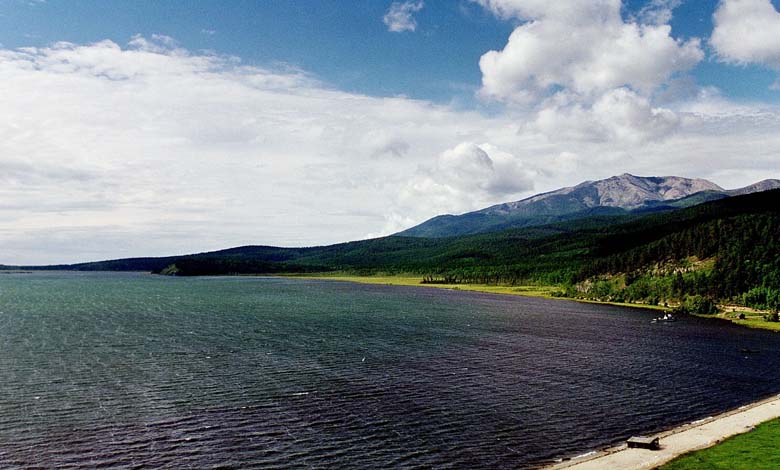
764	185
626	191
629	191
616	195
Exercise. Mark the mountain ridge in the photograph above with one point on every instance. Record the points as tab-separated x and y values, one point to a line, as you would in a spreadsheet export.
616	195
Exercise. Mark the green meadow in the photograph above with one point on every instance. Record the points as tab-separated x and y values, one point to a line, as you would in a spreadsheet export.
755	450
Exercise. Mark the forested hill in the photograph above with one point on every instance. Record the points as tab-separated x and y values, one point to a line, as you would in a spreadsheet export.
722	249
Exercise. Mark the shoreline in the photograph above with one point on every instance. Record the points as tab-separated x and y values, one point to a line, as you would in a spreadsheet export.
538	291
693	436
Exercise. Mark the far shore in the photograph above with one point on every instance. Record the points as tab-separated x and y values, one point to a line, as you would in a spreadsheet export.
680	440
546	292
729	313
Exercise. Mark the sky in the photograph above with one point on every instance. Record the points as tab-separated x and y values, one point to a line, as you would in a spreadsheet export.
160	127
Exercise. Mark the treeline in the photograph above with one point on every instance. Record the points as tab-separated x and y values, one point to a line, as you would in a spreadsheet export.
745	251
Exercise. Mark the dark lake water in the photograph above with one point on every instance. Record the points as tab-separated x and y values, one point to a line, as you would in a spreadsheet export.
139	371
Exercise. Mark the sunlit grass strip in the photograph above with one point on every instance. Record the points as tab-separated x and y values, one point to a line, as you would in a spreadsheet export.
756	450
753	320
402	280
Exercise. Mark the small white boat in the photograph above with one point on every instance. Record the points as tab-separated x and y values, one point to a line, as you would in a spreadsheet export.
668	318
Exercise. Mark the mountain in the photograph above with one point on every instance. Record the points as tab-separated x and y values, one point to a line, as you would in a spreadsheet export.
764	185
618	195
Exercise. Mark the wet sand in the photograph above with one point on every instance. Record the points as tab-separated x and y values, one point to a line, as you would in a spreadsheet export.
681	440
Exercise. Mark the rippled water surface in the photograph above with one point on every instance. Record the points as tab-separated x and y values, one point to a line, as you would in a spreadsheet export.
139	371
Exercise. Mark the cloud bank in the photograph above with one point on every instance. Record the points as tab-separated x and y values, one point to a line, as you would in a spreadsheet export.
111	150
176	151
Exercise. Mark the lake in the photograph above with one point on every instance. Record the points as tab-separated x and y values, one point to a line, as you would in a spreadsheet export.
132	370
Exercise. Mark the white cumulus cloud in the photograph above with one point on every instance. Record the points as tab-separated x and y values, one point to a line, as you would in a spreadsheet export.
747	32
467	177
582	46
400	16
582	60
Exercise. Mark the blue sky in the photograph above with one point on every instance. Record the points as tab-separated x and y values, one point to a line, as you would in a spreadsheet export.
345	43
139	128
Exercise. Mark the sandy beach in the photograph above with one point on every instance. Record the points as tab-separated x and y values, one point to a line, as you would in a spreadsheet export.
680	440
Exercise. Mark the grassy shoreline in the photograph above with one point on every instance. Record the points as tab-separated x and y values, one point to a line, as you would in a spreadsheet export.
754	450
698	445
753	318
